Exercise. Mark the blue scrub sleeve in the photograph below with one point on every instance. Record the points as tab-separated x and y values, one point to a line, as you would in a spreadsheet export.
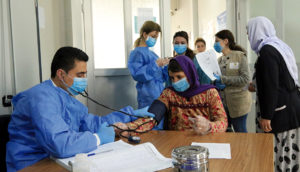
142	72
91	122
53	133
119	117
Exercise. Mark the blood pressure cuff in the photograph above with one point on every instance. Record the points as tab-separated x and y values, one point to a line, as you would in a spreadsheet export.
159	109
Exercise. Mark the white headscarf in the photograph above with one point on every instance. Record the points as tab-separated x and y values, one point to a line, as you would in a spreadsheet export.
261	31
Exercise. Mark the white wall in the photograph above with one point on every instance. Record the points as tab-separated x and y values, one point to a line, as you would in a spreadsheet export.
291	26
25	51
6	62
55	32
265	8
208	12
182	19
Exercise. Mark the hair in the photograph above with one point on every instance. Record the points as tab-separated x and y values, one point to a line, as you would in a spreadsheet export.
65	57
200	40
227	34
174	66
148	26
190	53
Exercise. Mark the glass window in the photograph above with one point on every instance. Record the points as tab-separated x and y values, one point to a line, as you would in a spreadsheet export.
143	10
108	34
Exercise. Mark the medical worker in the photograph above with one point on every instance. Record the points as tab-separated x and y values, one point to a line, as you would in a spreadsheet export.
200	45
48	121
235	79
180	44
146	67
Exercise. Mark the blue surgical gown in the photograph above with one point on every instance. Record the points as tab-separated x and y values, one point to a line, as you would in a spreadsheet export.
149	76
48	121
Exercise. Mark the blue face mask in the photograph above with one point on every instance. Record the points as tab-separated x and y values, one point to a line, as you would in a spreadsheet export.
181	85
79	85
218	47
180	48
150	41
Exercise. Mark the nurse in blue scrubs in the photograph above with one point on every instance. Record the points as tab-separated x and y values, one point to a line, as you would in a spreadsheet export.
146	67
48	121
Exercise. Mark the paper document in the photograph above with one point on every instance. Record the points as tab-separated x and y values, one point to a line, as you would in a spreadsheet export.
216	150
143	157
209	64
118	145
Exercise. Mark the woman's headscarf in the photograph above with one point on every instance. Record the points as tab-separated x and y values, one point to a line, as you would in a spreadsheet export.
189	70
261	32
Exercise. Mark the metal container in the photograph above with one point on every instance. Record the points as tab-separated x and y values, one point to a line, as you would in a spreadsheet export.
190	159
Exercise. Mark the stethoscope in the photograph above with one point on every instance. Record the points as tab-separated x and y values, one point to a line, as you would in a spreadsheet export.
131	139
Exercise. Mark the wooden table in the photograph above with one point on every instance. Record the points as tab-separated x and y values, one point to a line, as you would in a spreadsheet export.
249	151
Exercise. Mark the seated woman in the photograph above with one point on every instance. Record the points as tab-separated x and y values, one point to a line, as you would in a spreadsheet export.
185	105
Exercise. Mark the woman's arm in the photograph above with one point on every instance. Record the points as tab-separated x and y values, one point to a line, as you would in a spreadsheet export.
158	108
217	114
142	71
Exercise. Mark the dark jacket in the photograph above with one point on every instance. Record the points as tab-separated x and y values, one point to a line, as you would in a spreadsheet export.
278	95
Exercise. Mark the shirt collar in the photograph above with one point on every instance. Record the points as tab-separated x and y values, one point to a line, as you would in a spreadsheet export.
53	83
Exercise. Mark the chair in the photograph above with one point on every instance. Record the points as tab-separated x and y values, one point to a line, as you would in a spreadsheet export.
4	137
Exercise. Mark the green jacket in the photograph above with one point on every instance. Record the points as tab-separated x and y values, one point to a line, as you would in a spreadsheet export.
236	76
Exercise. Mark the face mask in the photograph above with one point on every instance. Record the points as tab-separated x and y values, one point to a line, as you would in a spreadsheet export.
79	85
150	41
180	48
218	47
181	85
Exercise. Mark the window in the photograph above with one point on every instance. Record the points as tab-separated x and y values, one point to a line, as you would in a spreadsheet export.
143	10
116	26
108	34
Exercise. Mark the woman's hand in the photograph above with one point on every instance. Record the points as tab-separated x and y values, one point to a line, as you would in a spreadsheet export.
162	61
122	126
265	124
201	125
251	87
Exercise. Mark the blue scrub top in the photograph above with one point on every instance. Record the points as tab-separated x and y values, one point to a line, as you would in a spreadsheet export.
149	76
48	121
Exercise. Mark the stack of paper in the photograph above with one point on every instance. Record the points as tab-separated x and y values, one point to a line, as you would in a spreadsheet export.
120	156
216	150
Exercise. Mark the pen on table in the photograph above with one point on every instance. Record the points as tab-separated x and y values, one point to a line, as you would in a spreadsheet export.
91	154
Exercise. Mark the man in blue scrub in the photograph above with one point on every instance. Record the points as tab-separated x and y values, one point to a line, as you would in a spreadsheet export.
47	120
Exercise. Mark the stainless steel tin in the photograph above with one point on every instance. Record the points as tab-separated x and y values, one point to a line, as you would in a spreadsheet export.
190	159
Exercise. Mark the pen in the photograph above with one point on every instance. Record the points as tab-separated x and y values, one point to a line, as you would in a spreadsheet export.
91	154
70	163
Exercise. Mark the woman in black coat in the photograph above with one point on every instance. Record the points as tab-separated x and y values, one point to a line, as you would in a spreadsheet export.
277	91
